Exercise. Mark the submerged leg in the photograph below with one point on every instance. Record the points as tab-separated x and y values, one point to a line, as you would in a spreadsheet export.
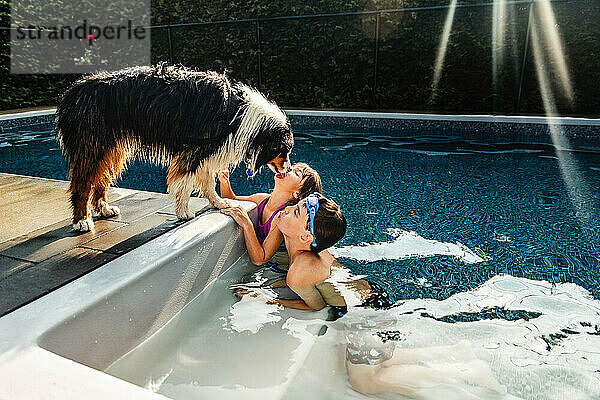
426	370
459	351
401	377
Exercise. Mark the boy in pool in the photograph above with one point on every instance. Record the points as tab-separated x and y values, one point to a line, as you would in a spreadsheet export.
309	228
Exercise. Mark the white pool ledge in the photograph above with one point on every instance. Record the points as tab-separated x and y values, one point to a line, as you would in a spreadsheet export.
127	300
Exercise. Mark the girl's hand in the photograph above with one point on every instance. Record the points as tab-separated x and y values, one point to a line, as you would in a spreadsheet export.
223	175
275	222
239	215
243	292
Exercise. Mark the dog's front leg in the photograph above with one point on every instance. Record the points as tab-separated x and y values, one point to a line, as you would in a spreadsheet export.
181	189
205	181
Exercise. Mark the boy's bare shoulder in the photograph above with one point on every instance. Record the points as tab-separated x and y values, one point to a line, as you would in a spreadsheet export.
307	269
307	258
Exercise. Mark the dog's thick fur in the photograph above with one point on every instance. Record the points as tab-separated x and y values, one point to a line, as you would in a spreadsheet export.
195	122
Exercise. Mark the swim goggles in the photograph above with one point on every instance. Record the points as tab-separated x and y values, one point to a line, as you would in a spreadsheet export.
312	205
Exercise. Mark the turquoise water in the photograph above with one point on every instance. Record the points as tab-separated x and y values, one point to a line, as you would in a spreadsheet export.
510	206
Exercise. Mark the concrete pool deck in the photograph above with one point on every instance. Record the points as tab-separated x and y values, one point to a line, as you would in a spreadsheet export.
40	252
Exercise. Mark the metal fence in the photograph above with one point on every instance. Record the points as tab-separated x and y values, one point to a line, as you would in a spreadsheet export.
393	58
523	80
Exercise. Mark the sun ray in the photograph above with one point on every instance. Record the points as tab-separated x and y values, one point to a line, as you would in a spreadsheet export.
577	187
554	43
441	53
498	30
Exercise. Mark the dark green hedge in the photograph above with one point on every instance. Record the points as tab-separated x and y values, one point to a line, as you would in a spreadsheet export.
329	62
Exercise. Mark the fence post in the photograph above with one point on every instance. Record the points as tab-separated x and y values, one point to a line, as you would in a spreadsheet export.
170	41
376	59
258	53
525	50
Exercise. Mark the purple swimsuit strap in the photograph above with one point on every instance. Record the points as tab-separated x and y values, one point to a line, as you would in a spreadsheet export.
261	207
263	229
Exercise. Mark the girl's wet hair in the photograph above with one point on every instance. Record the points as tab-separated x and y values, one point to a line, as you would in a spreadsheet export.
311	182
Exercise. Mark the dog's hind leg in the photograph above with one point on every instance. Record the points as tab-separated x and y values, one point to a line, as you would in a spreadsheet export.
81	188
111	166
180	186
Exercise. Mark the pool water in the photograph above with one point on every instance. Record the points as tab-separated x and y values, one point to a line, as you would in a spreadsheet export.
489	246
217	345
429	215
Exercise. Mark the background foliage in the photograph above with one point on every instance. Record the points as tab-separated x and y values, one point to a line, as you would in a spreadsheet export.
329	62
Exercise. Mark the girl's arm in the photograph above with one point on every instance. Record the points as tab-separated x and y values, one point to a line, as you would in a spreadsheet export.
225	185
259	253
296	304
310	295
227	191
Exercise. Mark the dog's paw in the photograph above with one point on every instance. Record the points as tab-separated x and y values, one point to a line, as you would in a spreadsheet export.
185	215
223	203
109	211
84	225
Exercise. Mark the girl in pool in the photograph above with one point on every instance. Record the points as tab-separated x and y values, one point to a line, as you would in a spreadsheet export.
314	279
289	189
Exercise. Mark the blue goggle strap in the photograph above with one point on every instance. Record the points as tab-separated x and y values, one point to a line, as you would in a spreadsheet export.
312	205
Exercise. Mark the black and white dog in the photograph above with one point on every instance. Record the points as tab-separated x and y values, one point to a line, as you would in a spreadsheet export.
195	122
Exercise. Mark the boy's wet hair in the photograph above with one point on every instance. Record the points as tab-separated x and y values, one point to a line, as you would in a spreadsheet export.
330	224
311	183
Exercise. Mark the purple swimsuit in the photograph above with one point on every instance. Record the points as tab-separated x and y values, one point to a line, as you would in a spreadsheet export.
263	230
